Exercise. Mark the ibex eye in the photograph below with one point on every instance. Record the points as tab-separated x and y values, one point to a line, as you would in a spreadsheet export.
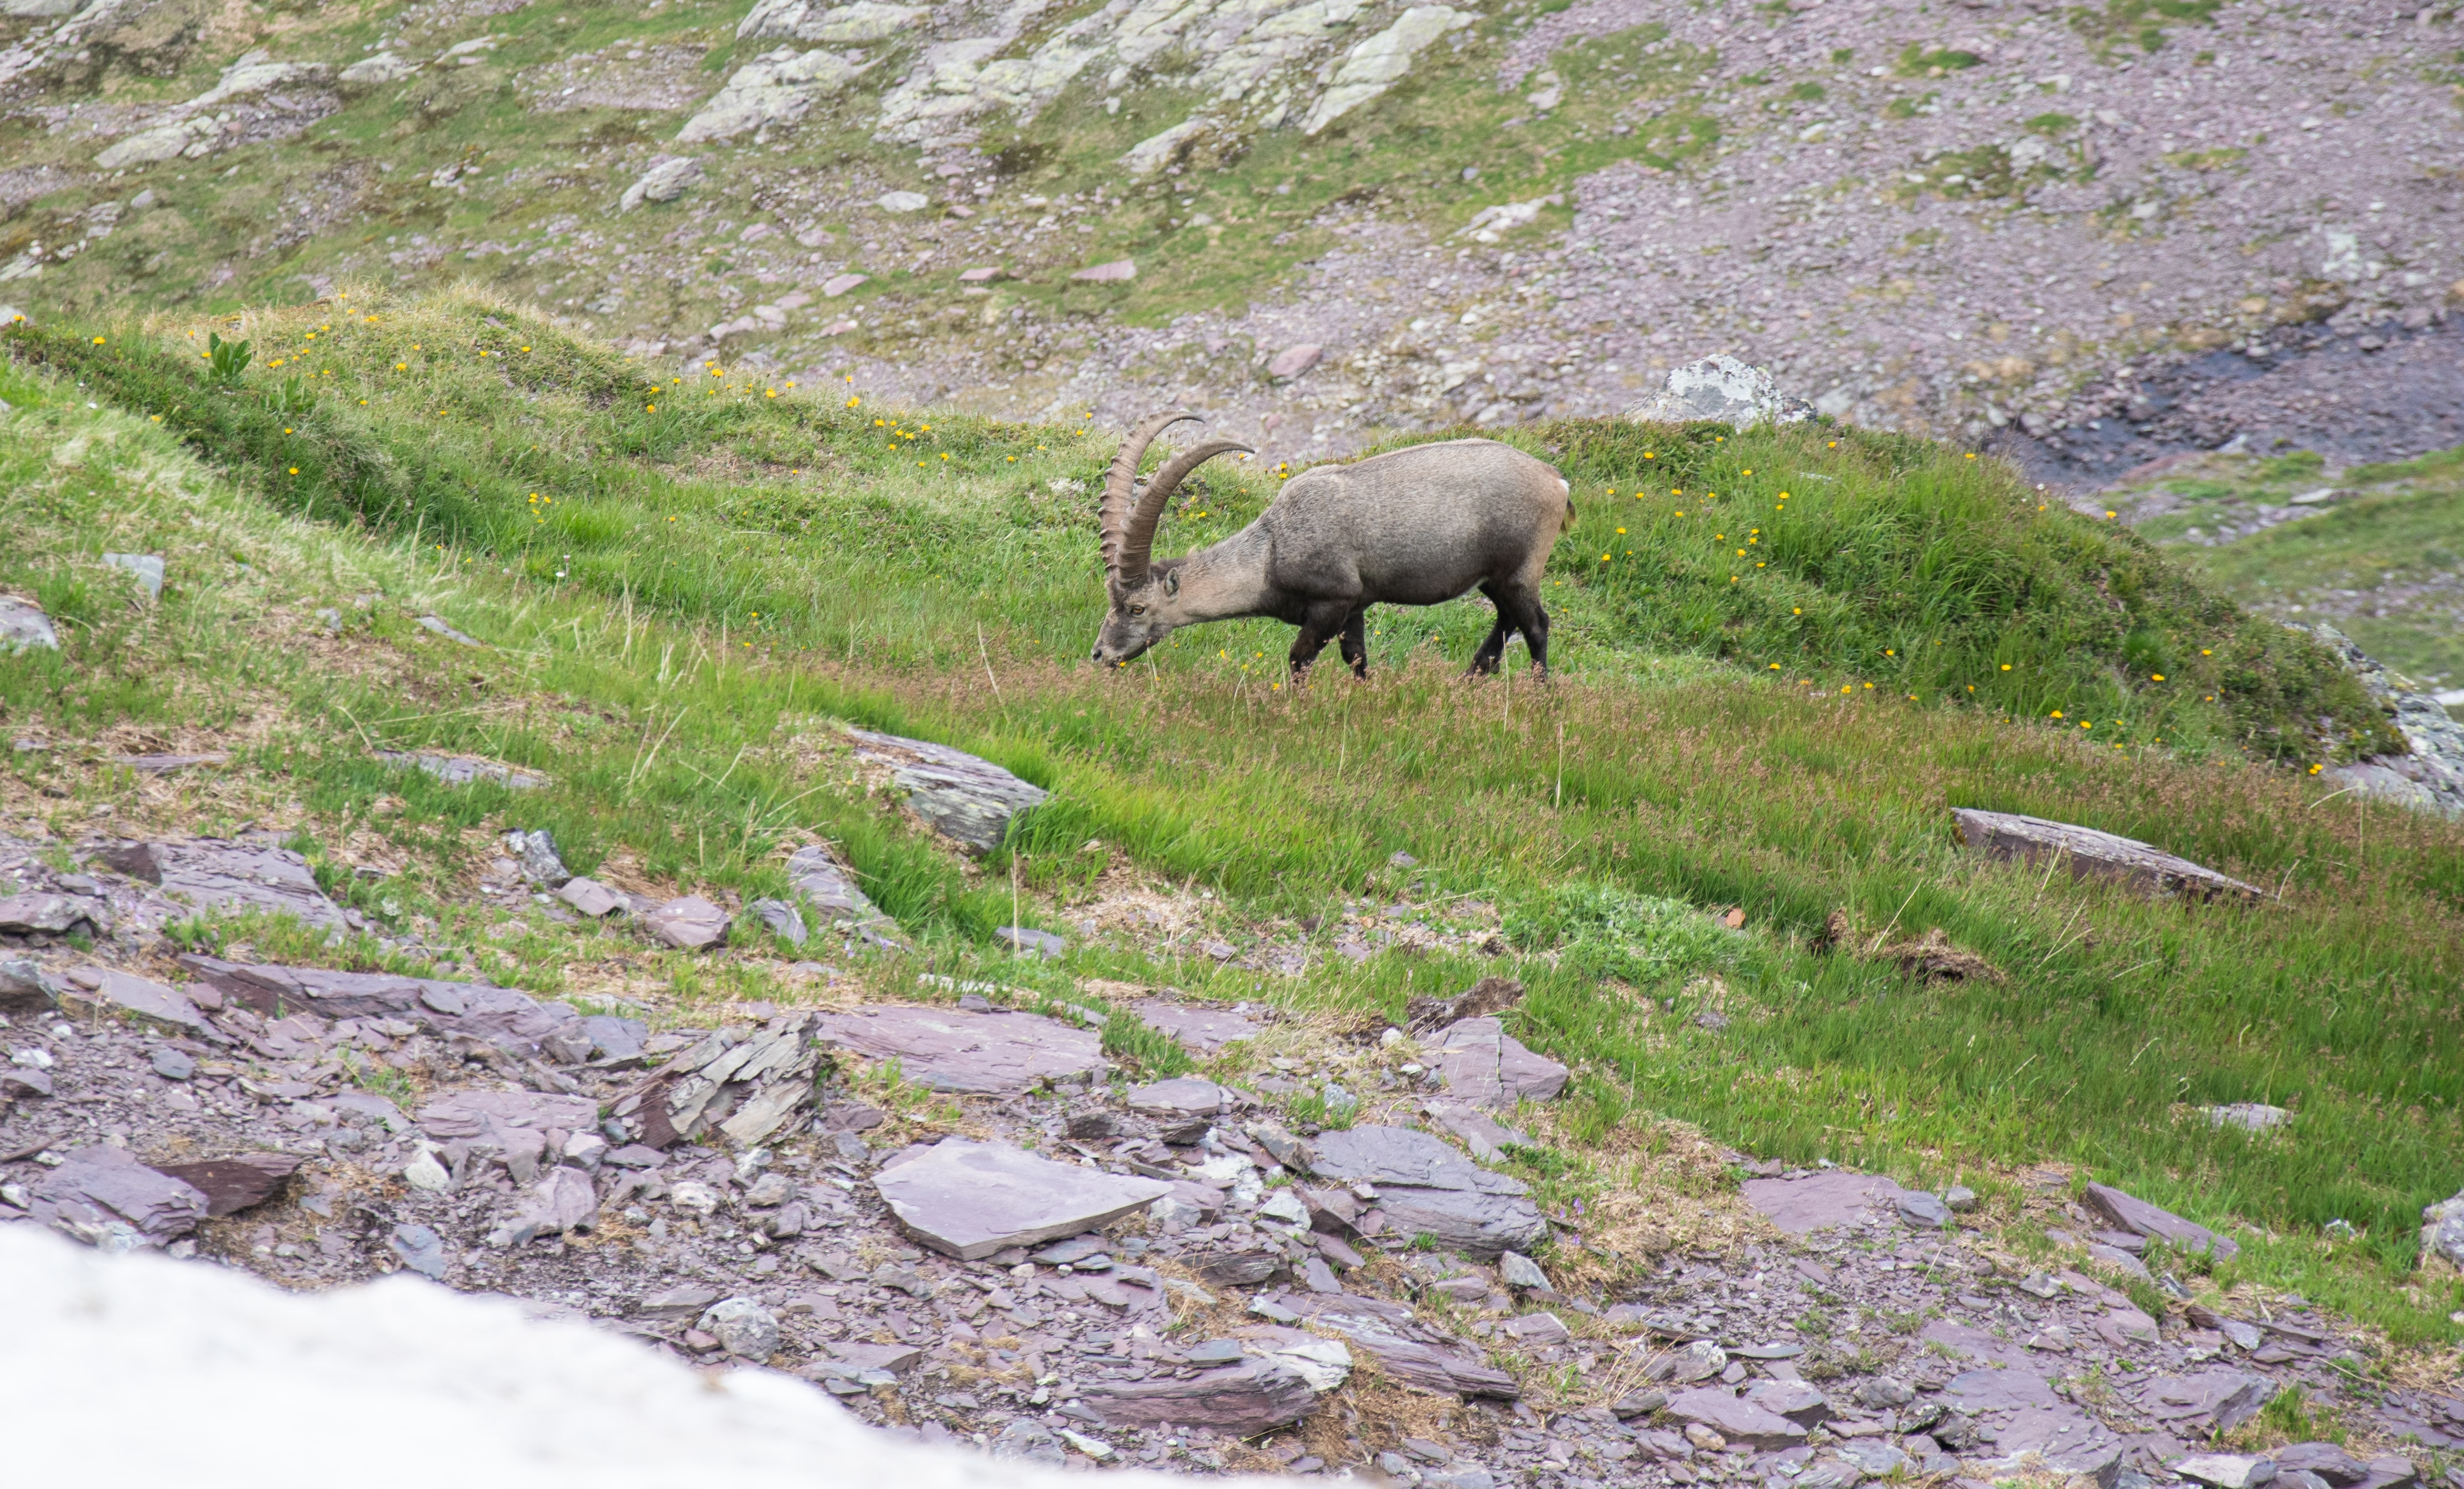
1137	609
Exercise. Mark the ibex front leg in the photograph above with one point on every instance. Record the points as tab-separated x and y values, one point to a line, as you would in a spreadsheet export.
1320	624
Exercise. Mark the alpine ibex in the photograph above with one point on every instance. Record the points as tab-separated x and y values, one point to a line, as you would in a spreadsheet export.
1413	527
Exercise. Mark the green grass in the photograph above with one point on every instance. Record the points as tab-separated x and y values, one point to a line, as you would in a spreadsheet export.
694	740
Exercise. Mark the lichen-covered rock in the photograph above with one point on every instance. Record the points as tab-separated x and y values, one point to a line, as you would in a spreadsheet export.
803	20
1723	390
1384	61
961	797
779	88
2429	778
664	181
23	625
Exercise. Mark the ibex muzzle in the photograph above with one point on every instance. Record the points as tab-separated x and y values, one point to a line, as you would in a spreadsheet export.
1413	527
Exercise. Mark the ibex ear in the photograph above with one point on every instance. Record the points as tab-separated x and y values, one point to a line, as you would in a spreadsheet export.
1172	581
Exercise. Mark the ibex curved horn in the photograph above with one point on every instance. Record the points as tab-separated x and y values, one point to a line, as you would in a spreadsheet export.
1120	485
1137	543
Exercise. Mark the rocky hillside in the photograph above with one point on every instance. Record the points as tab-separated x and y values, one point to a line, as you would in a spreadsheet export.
2096	234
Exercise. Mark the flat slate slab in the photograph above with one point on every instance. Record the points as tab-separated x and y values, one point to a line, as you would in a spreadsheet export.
2139	1217
2094	855
106	991
1961	1341
1404	1348
1740	1421
1989	1390
1200	1029
467	1114
1476	1129
1820	1200
49	913
957	1050
1185	1096
1425	1188
23	625
971	1200
232	1185
831	889
1254	1396
507	1020
2214	1400
1485	1065
959	796
462	769
212	874
101	1185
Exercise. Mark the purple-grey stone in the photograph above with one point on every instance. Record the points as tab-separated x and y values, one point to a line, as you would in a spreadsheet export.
1739	1421
420	1249
742	1328
1485	1065
105	991
1475	1129
2093	854
216	875
1798	1400
590	897
232	1185
1831	1197
1963	1342
561	1202
2218	1399
2141	1218
689	923
2325	1460
1999	1391
1187	1096
100	1185
951	1049
52	913
469	1114
1203	1030
971	1200
1241	1400
959	796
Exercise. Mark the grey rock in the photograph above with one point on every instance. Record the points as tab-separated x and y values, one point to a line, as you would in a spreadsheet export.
173	1064
2429	775
2252	1117
689	923
743	1327
827	886
100	990
1961	1341
1427	1189
1919	1208
1697	1361
969	800
2065	1440
2092	854
1640	1403
471	1114
2217	1399
2227	1470
1882	1393
1213	1351
2442	1230
24	626
499	1015
1800	1401
1031	942
147	567
2142	1218
534	852
1404	1348
1521	1271
1538	1329
1960	1198
782	919
210	874
232	1185
1475	1129
1482	1064
420	1249
612	1038
100	1187
438	626
2325	1460
1027	1440
667	180
1739	1421
1254	1396
1873	1459
26	987
1071	1252
1975	1391
590	897
1831	1197
971	1200
1202	1030
946	1049
1282	1146
685	1302
1185	1096
1724	389
463	770
51	913
561	1202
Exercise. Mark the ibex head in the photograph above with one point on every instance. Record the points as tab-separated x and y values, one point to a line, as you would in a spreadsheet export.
1147	603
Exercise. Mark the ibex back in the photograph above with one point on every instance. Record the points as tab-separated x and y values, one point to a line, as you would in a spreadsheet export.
1413	527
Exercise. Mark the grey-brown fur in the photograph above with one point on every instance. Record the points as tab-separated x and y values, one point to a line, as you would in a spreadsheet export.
1415	527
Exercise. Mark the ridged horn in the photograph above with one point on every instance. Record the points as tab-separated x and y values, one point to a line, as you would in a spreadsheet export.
1137	544
1120	487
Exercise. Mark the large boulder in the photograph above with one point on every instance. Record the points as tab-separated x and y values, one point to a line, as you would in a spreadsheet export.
2090	854
1724	390
1425	1188
971	1200
963	798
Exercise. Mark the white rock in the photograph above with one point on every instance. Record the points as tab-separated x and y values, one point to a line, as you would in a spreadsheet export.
426	1173
374	72
902	200
23	626
1172	147
162	143
801	20
1384	61
776	89
694	1195
664	181
1723	389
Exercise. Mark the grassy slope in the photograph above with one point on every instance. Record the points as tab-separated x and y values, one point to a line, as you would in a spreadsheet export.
683	522
2384	565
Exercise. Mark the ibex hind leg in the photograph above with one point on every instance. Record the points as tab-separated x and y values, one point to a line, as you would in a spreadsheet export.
1483	660
1355	642
1533	623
